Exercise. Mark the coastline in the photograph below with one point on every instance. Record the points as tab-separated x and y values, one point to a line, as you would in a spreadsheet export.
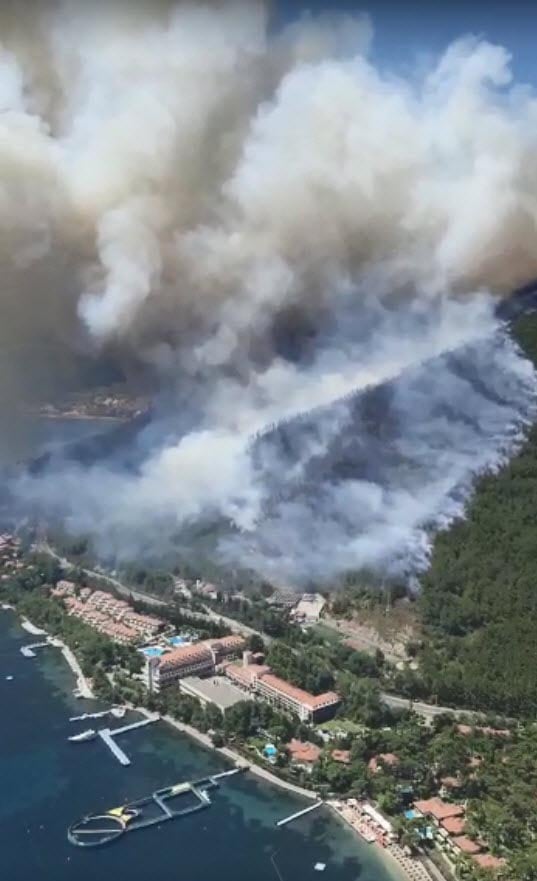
31	628
78	417
232	755
82	683
403	868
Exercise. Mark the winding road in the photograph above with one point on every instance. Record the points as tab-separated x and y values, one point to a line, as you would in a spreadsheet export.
428	711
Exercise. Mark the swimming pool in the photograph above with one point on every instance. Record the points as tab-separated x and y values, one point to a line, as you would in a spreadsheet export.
153	651
177	641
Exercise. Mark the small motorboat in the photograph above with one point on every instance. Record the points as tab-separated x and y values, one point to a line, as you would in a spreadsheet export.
89	734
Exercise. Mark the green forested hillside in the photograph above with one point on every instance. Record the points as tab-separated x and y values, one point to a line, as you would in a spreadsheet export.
479	600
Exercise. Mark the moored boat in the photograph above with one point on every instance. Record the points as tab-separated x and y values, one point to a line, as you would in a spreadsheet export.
89	734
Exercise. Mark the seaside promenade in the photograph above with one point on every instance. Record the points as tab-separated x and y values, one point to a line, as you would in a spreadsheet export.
232	755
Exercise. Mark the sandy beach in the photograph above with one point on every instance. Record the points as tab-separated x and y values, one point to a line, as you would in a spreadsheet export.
403	867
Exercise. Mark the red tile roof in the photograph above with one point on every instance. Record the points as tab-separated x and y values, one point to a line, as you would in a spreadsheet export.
311	701
466	845
246	675
439	809
487	861
201	651
376	762
303	751
185	654
454	825
227	643
342	755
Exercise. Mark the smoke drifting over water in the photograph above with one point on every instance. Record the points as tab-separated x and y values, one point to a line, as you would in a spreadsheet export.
280	235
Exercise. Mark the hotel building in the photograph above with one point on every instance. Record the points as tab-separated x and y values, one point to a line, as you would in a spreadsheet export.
200	659
257	679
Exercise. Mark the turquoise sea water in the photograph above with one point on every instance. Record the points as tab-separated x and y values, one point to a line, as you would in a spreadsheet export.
46	783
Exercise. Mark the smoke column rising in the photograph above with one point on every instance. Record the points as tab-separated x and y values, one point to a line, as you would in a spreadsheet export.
270	227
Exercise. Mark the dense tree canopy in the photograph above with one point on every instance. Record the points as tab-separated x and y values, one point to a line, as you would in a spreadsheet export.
479	597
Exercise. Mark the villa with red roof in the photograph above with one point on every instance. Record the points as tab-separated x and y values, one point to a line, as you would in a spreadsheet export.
303	753
438	809
388	760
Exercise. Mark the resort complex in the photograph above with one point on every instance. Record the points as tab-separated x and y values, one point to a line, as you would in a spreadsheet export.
449	825
201	658
304	712
112	617
257	679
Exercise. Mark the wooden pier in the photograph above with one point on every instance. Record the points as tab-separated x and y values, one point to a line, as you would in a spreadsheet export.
301	813
134	725
108	736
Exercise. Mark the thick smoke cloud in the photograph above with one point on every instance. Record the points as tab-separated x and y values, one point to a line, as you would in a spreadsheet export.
270	226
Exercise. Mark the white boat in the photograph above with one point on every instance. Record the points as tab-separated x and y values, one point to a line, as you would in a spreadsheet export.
89	734
88	716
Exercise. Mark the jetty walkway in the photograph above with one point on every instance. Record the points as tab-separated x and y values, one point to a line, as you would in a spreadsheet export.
298	814
108	736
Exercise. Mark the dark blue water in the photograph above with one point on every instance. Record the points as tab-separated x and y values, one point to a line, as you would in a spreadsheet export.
46	783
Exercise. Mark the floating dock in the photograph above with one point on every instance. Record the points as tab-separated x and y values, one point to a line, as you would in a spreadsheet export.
108	736
102	828
298	814
134	725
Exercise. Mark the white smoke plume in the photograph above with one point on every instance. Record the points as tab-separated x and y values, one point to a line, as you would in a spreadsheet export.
269	225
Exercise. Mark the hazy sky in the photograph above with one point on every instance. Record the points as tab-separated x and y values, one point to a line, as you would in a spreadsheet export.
406	27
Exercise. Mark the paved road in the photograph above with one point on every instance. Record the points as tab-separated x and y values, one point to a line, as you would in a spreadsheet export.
45	548
236	626
428	711
206	615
